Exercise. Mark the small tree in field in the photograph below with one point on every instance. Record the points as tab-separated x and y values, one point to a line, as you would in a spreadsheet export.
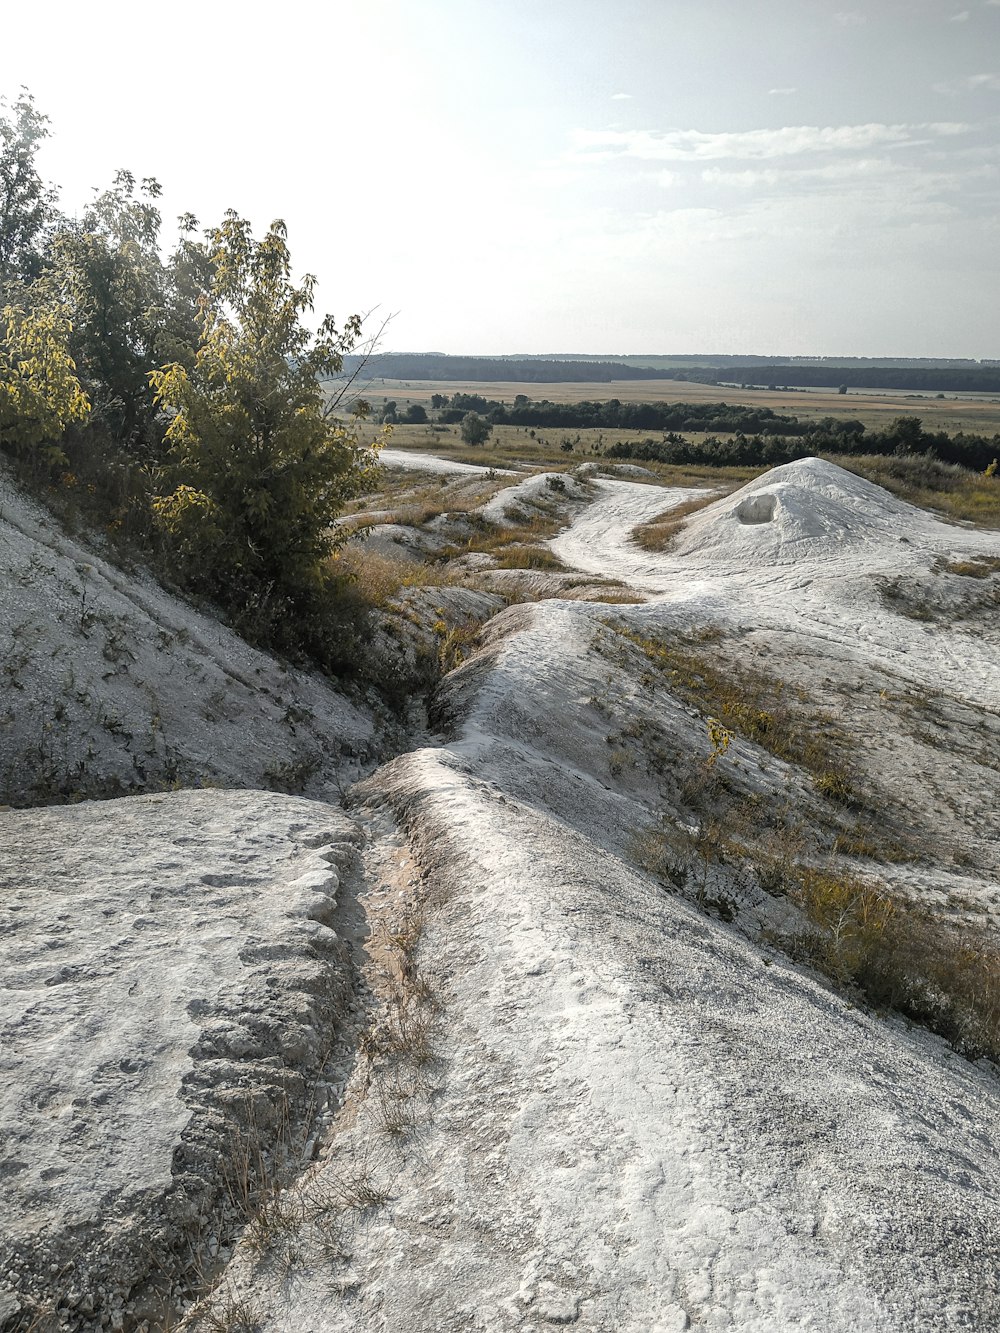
475	429
257	468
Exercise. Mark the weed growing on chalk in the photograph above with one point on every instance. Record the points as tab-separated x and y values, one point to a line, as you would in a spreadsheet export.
529	557
455	643
748	702
381	578
978	567
226	1312
899	958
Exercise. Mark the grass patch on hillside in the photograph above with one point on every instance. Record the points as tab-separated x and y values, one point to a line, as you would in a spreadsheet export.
861	935
749	703
976	567
949	490
929	600
381	578
529	557
661	532
496	539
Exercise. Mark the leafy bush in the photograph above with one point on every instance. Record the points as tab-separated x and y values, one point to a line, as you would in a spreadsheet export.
40	394
257	470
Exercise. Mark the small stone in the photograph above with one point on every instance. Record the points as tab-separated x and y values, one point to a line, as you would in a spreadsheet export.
9	1305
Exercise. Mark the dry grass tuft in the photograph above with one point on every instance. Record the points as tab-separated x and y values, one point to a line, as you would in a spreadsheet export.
661	532
381	578
952	491
861	935
978	567
529	557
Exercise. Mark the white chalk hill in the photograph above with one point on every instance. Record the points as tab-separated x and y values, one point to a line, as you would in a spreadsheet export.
110	684
803	510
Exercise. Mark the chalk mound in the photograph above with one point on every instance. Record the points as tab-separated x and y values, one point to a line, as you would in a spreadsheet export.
809	508
516	504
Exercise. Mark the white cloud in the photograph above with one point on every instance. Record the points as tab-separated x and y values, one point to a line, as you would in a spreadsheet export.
621	97
849	18
791	140
971	84
781	92
962	16
832	173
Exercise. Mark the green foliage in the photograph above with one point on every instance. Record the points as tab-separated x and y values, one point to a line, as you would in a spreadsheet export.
474	429
40	394
107	269
257	468
26	203
834	785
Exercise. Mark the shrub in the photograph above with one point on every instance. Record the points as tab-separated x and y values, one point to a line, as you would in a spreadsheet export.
474	429
257	470
40	394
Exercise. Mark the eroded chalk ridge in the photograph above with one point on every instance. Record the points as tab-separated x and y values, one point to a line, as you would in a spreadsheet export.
175	990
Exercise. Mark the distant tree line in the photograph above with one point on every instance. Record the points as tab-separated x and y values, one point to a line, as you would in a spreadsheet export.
917	379
752	372
400	366
616	415
755	434
904	436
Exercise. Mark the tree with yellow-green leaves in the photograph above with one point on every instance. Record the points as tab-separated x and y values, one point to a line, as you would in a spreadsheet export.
40	394
257	467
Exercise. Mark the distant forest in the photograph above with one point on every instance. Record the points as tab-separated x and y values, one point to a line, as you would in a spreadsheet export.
755	434
752	372
486	369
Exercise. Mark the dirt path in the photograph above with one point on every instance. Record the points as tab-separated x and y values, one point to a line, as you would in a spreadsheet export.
600	540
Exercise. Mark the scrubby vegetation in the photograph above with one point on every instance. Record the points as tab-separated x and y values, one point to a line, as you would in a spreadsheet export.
750	703
859	933
176	402
865	936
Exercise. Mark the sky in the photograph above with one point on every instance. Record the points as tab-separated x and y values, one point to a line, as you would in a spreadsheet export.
783	177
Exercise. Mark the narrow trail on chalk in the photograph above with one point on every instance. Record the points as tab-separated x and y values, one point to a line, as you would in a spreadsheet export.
600	540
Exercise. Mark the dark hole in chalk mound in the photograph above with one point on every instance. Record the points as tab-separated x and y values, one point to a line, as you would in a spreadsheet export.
756	509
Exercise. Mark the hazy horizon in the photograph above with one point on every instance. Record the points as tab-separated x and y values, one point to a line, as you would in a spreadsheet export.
799	177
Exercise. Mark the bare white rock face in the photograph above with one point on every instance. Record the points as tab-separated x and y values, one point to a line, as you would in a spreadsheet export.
111	684
637	1114
169	969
